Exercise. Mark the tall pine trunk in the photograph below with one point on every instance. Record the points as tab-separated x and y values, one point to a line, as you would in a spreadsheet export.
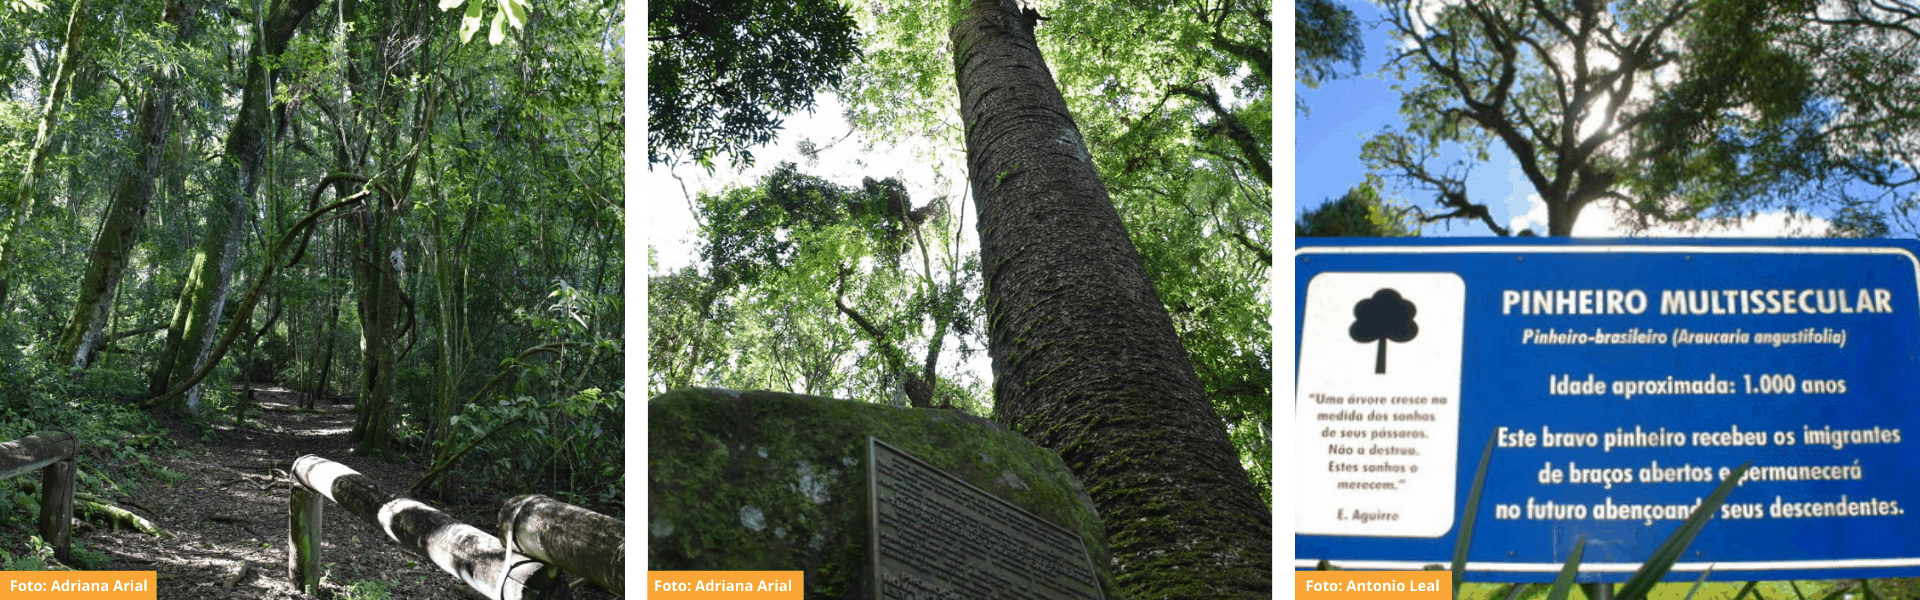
127	211
1085	358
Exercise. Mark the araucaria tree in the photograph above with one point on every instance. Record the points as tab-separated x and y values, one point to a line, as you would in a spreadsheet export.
1561	84
1086	359
1663	110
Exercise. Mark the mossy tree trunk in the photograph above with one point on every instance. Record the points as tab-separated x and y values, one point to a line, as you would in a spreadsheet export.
14	214
376	277
127	210
197	313
1086	361
379	267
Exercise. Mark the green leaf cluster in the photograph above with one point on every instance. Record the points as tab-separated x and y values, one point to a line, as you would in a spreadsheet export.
810	286
509	12
720	73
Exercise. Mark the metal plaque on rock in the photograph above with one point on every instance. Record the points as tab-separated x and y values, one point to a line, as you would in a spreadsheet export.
936	537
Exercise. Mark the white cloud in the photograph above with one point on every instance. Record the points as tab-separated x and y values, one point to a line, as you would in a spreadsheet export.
1604	220
1535	217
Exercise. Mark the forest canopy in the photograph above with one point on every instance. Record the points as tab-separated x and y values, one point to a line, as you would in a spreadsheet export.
339	201
1178	125
822	274
1660	112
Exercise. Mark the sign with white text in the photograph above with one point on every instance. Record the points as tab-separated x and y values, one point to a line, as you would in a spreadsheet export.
1621	381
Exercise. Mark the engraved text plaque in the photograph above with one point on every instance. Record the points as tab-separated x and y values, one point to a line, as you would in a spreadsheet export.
935	537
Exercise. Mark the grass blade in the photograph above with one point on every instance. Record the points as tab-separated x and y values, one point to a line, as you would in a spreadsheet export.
1564	583
1698	582
1871	594
1839	591
1466	520
1517	590
1669	552
1795	586
1750	589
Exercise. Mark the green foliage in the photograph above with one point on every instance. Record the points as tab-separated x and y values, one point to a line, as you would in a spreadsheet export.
509	11
1675	111
1358	213
497	173
822	289
366	589
1325	35
1173	100
38	555
719	74
1741	128
749	231
88	559
1644	579
113	458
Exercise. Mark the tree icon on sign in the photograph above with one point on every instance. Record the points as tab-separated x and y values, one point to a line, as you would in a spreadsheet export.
1385	316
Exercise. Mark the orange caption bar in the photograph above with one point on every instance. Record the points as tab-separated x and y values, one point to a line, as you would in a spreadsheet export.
1372	585
726	585
78	585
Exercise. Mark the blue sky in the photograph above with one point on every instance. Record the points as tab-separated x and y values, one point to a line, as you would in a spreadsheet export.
1343	112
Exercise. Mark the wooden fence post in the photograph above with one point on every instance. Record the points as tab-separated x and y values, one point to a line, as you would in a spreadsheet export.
34	452
466	552
51	454
56	507
579	541
303	539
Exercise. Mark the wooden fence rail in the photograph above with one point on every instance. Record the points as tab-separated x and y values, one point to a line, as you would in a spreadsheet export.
52	454
462	550
580	541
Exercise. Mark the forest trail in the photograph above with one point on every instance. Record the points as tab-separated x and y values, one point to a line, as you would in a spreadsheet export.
229	507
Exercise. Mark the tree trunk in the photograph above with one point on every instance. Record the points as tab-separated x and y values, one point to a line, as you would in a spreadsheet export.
197	314
377	288
1085	358
15	216
318	388
126	212
379	262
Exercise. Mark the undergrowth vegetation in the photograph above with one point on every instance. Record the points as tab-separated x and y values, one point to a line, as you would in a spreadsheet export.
115	456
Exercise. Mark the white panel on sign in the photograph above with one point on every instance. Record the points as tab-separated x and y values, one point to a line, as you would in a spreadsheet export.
1378	404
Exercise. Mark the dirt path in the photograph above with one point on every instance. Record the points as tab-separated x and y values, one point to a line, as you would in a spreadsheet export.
230	508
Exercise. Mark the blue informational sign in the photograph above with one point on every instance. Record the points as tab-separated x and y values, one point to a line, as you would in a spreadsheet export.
1622	380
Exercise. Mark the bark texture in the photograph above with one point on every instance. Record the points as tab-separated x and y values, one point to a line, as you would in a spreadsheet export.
303	539
126	211
1086	361
35	452
16	213
460	549
197	315
376	279
56	507
580	541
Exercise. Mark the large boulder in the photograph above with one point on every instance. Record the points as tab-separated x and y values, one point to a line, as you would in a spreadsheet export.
769	481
